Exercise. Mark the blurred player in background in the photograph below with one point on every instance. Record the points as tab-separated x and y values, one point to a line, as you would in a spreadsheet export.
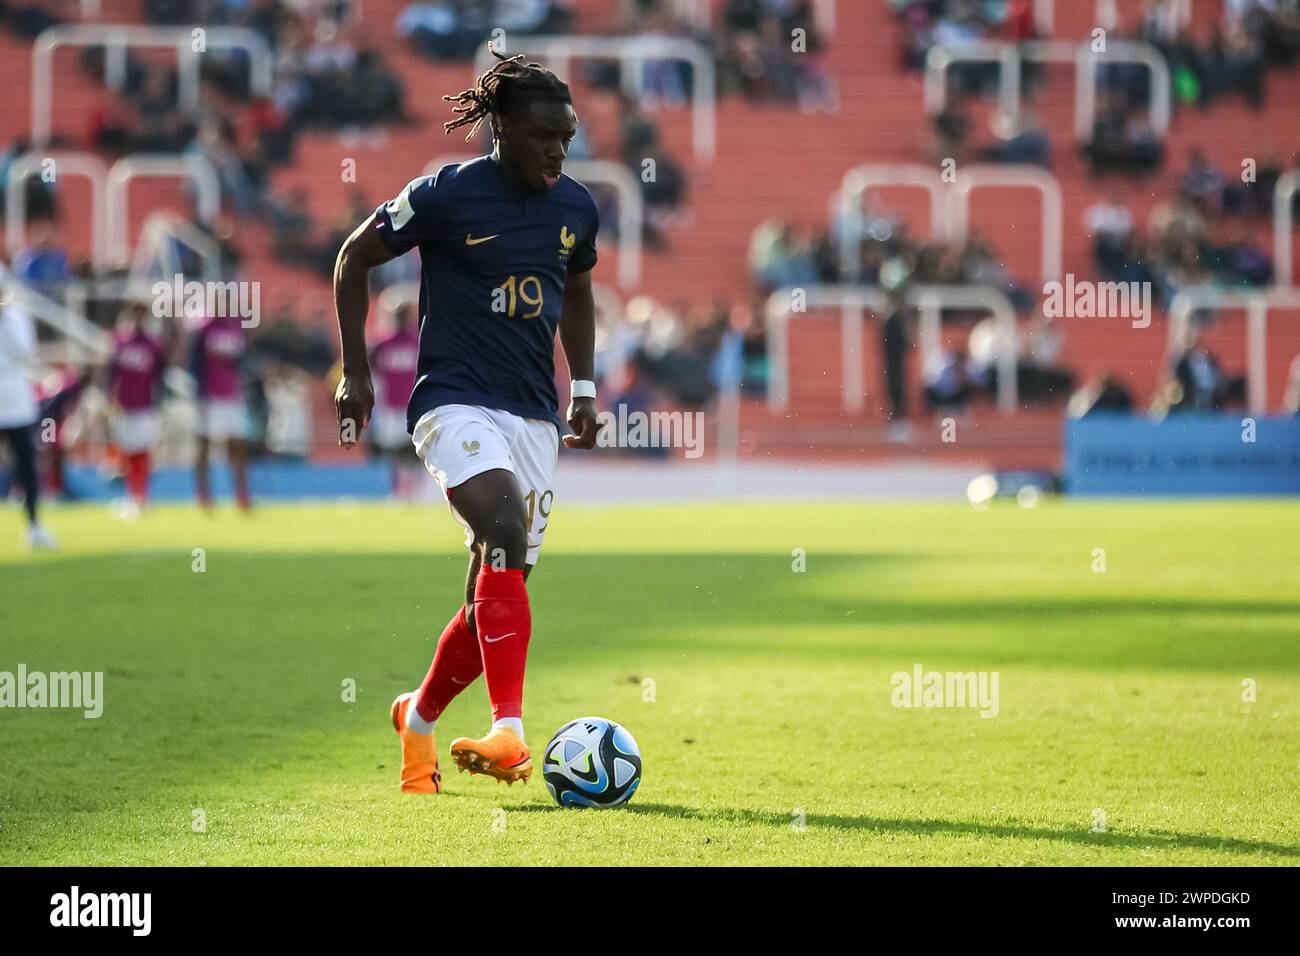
215	362
507	245
19	410
394	362
134	387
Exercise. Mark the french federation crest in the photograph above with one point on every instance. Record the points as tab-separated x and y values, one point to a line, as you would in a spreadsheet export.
567	241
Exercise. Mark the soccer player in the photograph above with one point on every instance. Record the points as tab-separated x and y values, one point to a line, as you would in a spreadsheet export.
134	382
19	409
395	362
507	245
223	416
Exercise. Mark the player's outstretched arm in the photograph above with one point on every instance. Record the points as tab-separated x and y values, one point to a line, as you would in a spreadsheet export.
355	396
578	336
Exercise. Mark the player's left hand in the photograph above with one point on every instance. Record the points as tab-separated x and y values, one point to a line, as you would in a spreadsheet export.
582	419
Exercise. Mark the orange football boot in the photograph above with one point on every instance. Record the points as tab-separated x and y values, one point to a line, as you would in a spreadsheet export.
500	754
419	751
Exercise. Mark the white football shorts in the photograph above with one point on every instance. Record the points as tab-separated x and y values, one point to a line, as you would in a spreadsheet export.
221	420
135	432
457	442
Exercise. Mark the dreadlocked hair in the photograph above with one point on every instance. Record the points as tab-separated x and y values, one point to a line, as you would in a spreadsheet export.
508	84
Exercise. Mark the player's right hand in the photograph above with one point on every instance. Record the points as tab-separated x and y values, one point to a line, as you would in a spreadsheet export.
353	400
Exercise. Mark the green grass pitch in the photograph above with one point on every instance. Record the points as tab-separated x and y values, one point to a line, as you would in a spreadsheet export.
771	737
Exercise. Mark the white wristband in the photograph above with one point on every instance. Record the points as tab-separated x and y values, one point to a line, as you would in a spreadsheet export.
582	388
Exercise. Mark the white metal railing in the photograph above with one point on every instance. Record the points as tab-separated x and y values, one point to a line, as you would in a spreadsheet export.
1256	306
853	302
631	205
949	205
196	169
971	178
117	39
631	52
63	319
1011	55
1119	51
64	164
853	189
109	228
1288	185
156	254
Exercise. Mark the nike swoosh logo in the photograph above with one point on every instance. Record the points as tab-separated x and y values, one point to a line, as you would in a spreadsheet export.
493	640
462	683
475	242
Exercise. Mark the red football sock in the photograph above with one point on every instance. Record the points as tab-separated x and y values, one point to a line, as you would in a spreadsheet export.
504	623
137	476
456	664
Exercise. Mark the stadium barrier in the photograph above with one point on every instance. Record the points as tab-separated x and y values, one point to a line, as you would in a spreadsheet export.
1186	454
949	205
854	302
118	39
630	53
631	205
1010	57
1256	306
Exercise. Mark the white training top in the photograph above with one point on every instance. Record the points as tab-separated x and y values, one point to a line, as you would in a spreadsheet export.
18	405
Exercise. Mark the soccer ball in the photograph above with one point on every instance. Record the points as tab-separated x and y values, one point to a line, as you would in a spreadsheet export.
592	762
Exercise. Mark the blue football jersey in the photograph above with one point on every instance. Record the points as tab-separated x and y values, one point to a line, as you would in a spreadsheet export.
494	260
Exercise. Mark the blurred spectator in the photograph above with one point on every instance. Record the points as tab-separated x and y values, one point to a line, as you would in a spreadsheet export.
1122	139
1201	384
1041	373
1110	224
1029	144
1106	395
895	343
949	382
1202	185
43	264
455	29
772	50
